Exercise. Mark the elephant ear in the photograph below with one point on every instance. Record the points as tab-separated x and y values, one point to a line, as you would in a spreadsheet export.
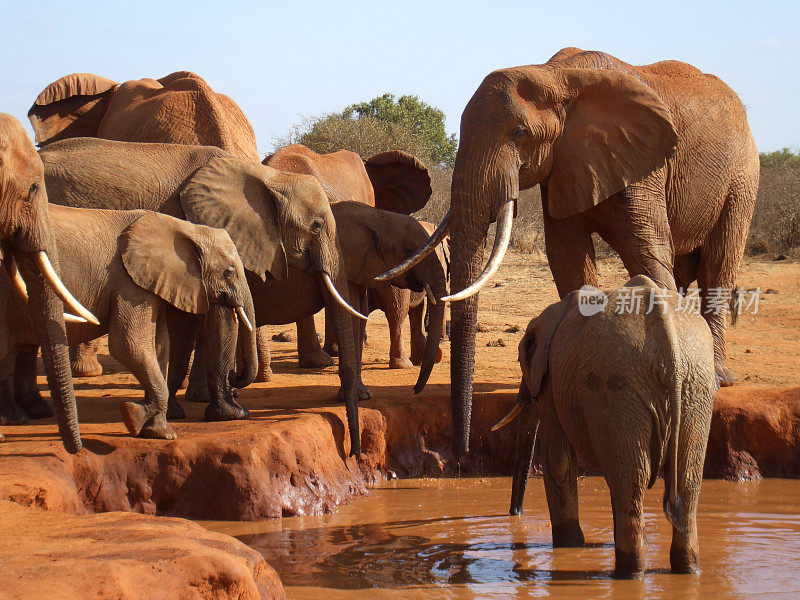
72	106
534	348
240	197
160	255
401	182
617	131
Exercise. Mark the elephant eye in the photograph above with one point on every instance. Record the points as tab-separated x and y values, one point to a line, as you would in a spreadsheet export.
317	226
520	131
230	271
33	190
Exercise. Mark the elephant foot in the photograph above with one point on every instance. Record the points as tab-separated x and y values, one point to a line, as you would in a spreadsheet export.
315	360
197	393
36	407
362	393
12	414
331	349
226	411
401	362
568	535
628	565
157	428
683	561
136	419
724	376
175	410
264	374
86	367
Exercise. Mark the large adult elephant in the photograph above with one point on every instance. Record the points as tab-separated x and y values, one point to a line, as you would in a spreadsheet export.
393	181
180	108
658	159
29	257
281	223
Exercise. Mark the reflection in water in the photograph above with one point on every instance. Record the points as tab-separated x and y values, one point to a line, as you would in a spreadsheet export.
454	539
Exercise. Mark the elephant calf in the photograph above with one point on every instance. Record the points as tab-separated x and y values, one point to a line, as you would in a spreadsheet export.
630	390
143	274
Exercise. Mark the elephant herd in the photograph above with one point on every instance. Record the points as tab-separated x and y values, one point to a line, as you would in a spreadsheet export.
147	201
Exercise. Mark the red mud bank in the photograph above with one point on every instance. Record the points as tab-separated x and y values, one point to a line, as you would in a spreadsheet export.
126	557
755	432
281	462
294	461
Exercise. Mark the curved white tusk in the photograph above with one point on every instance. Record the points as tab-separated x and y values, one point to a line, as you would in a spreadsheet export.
68	318
243	318
505	221
429	294
16	279
60	289
512	414
429	246
338	297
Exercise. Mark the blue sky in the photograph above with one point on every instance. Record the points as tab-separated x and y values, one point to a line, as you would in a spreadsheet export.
285	61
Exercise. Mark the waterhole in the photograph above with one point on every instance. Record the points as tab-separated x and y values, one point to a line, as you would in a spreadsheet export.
453	538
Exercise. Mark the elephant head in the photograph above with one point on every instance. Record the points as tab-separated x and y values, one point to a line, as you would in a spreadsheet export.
584	134
372	240
192	267
30	258
180	108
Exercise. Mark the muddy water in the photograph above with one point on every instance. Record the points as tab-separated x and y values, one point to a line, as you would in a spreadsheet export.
454	539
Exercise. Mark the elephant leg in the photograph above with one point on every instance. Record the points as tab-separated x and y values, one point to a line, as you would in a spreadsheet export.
182	329
719	265
570	253
26	389
684	554
197	390
10	412
264	357
396	305
559	467
84	359
627	490
416	320
132	341
309	352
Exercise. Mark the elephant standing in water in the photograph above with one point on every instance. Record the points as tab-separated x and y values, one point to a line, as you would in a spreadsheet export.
659	160
146	274
629	393
29	258
393	181
281	224
180	108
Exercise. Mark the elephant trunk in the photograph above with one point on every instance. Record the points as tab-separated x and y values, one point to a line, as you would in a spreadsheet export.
247	343
433	273
527	427
349	364
474	186
47	311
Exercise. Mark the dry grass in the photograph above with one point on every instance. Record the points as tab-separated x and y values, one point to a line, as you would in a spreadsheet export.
776	222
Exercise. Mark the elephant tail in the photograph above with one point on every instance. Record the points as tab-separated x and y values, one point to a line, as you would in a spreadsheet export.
675	373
